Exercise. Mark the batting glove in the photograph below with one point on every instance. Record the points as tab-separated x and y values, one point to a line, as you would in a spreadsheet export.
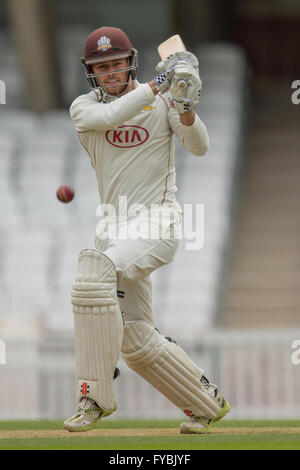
161	82
181	106
168	65
185	87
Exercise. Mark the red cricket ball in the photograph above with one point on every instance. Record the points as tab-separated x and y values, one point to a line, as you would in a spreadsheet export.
65	193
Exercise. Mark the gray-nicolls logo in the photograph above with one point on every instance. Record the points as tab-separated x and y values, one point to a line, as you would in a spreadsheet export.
296	94
2	353
2	92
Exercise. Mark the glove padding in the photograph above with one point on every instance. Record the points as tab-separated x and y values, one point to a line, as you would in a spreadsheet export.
168	65
185	98
161	82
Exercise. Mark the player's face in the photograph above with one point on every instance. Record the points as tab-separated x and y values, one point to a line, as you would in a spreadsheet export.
111	78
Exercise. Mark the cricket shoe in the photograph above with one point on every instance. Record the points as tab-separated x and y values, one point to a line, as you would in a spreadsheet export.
87	417
200	424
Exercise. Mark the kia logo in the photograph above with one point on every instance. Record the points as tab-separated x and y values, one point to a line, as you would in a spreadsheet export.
127	136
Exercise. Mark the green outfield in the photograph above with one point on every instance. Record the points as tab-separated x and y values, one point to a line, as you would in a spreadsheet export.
154	435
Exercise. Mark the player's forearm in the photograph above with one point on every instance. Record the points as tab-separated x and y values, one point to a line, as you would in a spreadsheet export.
196	139
187	119
194	136
128	106
97	116
153	87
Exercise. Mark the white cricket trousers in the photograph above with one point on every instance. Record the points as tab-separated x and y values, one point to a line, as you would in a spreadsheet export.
136	259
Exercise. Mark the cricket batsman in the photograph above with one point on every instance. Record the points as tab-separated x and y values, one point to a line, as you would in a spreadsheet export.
127	129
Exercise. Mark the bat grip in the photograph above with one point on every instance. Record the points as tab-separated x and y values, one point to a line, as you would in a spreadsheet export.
182	84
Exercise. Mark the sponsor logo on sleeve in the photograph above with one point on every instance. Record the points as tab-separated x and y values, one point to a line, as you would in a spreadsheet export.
149	109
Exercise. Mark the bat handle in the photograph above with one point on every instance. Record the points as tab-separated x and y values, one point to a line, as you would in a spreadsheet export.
182	84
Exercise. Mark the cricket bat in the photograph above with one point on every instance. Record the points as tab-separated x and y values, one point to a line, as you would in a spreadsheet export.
168	47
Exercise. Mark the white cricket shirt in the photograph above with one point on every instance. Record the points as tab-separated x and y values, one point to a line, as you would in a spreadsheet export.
130	142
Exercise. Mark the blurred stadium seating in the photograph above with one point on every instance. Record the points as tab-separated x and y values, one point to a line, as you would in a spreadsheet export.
234	304
41	237
40	153
210	181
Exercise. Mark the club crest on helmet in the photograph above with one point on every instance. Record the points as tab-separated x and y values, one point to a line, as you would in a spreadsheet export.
104	44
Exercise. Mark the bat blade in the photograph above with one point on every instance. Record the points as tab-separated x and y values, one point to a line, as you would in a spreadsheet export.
171	45
168	47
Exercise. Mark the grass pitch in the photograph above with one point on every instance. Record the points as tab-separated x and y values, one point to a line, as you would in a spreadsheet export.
151	435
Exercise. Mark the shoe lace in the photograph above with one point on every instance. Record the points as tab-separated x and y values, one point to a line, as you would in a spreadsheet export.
87	406
201	420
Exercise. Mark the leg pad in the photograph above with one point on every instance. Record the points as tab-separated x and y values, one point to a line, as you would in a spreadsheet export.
167	367
98	327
